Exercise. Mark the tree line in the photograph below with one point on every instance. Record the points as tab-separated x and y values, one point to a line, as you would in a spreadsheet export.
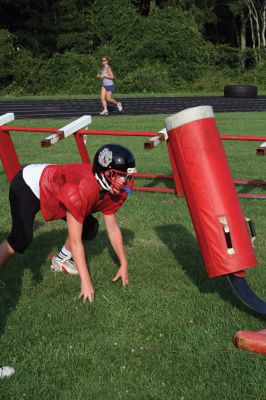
54	47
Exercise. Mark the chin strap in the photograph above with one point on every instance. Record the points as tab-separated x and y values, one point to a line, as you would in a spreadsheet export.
104	184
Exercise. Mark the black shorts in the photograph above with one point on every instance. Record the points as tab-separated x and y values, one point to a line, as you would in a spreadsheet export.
24	206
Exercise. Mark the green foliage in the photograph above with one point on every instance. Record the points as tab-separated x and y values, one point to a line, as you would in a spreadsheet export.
32	22
153	46
171	36
226	56
72	28
70	73
78	42
25	73
63	73
156	57
109	22
147	78
6	53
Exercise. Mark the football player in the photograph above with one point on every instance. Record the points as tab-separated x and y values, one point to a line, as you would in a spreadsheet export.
72	192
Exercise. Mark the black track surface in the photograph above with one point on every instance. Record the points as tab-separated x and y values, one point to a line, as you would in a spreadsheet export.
131	106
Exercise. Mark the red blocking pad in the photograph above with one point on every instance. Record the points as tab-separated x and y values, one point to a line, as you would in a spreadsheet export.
209	190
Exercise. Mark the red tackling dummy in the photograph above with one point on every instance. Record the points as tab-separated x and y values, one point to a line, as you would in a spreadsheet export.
209	190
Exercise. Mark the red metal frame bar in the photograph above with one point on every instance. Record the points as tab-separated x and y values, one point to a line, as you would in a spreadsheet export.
252	195
82	148
153	189
153	176
245	138
26	129
11	154
248	182
8	154
115	133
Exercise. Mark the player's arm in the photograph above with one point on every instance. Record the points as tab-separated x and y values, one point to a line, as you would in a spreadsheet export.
116	240
77	249
110	73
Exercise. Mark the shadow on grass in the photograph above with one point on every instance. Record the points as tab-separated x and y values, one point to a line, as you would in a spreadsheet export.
245	189
185	248
34	259
156	183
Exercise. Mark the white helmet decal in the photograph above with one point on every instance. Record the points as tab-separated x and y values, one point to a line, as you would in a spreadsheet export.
105	157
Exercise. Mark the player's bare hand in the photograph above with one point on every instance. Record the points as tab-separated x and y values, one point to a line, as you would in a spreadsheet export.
87	293
122	274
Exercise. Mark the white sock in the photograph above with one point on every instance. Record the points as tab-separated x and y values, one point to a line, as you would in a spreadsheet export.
64	254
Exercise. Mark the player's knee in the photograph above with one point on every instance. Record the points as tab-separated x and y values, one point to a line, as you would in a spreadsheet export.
20	242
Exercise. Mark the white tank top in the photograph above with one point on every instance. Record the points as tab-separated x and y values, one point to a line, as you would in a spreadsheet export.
31	175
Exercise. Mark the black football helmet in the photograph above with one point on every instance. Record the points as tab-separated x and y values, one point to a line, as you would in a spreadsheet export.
113	167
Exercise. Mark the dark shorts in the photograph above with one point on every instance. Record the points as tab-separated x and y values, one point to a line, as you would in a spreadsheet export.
110	88
24	206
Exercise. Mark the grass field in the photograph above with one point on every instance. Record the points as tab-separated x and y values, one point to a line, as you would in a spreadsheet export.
118	95
168	335
121	95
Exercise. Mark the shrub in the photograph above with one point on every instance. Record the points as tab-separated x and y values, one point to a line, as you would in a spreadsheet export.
25	72
70	73
63	73
6	56
171	37
146	78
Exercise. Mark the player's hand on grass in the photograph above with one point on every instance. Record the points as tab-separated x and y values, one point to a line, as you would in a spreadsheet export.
87	292
122	274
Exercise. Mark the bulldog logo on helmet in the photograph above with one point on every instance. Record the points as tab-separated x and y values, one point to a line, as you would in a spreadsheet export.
105	157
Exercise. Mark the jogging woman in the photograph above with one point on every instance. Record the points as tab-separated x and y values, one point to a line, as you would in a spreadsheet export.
108	87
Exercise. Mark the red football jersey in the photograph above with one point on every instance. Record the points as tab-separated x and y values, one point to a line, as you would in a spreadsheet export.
73	187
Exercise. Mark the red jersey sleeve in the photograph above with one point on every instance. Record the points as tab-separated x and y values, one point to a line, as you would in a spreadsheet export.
111	204
74	200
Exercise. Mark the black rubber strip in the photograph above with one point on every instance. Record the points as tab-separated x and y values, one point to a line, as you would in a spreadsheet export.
246	295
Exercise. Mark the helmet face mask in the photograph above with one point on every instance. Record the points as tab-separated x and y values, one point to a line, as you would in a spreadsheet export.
119	180
114	166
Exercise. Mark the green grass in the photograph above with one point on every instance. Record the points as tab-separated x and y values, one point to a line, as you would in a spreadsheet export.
166	336
119	95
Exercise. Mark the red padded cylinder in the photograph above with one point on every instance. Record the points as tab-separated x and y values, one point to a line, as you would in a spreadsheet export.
209	190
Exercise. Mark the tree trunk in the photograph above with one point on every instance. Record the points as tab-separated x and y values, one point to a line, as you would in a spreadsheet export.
152	6
243	31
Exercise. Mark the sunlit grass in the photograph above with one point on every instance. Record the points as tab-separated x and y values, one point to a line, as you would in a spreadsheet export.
166	336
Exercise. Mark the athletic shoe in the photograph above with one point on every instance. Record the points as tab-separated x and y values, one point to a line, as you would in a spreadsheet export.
66	266
104	112
6	372
119	106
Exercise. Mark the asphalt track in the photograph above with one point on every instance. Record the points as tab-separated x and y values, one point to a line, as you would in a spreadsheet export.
27	109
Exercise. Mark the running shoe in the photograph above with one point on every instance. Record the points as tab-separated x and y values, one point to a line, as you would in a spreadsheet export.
119	106
6	372
104	112
66	266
